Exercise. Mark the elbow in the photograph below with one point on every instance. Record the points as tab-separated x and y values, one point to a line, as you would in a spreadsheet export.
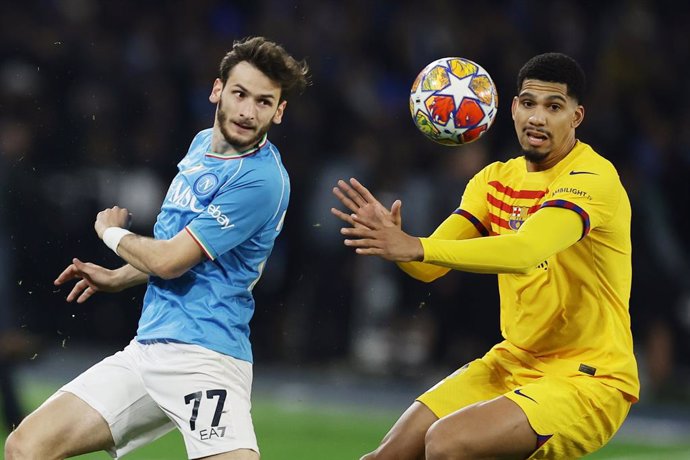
166	270
425	278
526	260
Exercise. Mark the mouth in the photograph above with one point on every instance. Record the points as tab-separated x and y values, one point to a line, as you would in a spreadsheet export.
536	138
244	127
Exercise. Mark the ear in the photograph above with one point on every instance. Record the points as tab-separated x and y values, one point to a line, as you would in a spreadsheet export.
578	116
216	91
278	116
513	107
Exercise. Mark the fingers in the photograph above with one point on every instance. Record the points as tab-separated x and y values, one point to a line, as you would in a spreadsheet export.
351	205
362	191
77	291
343	216
67	274
396	212
88	292
352	194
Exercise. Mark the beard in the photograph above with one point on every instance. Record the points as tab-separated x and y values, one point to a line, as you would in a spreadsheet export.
236	142
534	157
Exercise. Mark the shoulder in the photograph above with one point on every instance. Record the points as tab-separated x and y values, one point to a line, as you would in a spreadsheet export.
502	169
202	137
263	172
591	163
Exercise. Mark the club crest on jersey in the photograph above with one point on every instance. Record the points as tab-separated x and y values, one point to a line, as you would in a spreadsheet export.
205	184
518	217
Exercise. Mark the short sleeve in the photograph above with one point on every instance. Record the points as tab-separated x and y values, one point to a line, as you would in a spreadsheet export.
236	213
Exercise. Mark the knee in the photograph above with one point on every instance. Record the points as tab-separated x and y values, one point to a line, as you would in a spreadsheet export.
19	446
381	454
442	444
15	447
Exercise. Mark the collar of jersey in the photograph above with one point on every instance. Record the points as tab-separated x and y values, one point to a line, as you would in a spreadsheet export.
242	154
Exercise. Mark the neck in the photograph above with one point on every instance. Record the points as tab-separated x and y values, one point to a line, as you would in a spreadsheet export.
552	158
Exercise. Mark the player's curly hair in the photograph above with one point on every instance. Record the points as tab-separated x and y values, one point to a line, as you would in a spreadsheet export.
271	59
555	68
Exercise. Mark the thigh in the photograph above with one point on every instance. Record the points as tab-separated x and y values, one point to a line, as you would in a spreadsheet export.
572	416
205	393
405	440
113	388
497	428
63	426
479	380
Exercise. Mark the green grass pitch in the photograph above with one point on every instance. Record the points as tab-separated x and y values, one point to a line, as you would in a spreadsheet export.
308	432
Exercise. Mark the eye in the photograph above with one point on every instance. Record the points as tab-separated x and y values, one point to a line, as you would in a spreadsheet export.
527	103
238	94
265	102
555	107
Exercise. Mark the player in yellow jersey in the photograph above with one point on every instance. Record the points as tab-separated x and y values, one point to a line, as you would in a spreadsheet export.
554	224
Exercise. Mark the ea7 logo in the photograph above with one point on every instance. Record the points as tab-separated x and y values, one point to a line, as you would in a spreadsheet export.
217	214
213	432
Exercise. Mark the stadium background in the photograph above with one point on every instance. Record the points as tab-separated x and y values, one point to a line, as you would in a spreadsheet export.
99	100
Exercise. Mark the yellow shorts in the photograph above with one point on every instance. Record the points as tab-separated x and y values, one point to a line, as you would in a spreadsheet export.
572	416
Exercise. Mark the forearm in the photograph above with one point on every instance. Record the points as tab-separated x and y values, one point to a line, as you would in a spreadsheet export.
129	276
148	256
455	227
423	271
544	234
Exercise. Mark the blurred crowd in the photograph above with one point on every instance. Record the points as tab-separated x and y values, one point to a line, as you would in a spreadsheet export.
100	100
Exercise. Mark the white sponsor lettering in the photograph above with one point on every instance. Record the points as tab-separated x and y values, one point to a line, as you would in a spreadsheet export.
183	197
213	432
217	214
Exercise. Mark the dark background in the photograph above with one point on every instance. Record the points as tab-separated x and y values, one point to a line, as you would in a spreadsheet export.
100	100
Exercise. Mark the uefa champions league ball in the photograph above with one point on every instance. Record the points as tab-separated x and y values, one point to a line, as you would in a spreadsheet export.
453	101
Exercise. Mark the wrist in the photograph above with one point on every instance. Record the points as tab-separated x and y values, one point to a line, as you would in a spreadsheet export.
112	237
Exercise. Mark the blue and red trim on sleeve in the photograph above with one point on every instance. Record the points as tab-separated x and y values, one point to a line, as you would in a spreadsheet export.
573	207
476	222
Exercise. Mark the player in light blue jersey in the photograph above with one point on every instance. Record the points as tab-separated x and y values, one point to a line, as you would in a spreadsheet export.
190	365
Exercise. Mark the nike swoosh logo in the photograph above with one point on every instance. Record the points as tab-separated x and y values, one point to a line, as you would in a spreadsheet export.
519	392
572	173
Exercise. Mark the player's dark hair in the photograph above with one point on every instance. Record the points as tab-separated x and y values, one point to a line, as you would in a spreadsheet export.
555	68
271	59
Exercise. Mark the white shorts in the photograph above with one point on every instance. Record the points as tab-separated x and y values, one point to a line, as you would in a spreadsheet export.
146	390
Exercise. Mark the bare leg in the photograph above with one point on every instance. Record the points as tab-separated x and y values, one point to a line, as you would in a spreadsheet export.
62	427
492	429
405	441
239	454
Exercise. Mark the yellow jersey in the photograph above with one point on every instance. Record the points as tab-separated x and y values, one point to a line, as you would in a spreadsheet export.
569	314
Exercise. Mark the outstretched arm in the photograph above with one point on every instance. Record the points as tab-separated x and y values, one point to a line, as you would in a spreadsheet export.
360	201
548	231
163	258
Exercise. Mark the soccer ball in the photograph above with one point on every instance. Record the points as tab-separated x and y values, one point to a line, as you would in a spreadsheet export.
453	101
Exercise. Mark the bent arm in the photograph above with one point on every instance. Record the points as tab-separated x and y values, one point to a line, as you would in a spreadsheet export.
165	259
129	276
547	232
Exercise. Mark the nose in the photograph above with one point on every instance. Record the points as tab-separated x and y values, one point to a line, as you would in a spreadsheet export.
537	118
247	109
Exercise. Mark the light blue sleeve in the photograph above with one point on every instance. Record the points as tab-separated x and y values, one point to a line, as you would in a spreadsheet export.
234	215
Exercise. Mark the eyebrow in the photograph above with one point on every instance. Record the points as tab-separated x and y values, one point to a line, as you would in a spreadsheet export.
266	96
550	98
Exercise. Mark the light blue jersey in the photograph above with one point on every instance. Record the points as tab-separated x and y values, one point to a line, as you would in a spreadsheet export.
233	206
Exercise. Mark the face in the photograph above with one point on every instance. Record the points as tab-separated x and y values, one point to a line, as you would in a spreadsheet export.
247	104
545	119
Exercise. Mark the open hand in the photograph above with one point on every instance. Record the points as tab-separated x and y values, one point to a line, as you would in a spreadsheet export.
374	229
360	201
92	278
